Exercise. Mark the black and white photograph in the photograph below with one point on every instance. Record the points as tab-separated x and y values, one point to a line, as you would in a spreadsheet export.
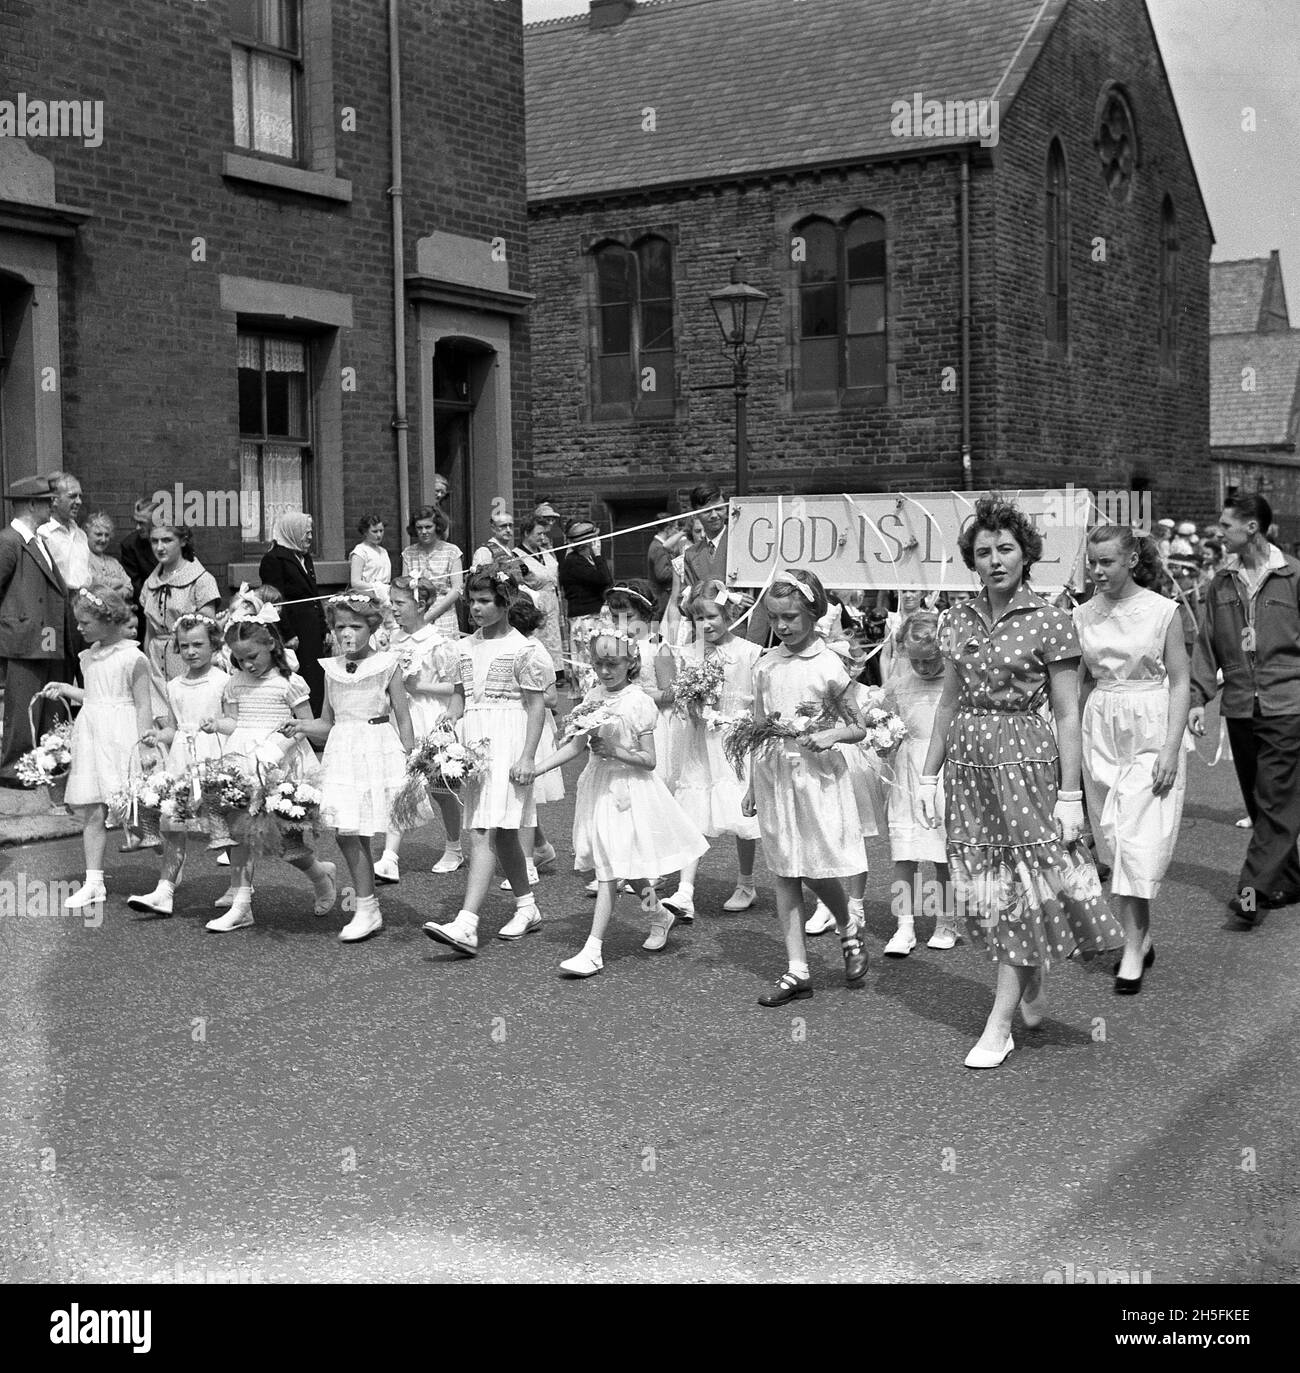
650	642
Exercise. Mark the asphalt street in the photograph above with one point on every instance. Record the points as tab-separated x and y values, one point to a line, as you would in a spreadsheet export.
272	1105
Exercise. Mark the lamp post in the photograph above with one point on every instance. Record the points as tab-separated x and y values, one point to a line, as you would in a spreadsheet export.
739	308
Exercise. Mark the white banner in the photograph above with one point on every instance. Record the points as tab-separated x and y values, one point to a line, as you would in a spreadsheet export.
897	541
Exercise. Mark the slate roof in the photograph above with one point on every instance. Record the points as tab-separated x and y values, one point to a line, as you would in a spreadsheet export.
1267	416
741	86
1247	296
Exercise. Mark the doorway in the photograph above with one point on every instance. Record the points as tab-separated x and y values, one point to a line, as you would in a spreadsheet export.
460	371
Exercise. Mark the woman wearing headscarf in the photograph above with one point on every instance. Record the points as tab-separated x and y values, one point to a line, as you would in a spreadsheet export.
287	565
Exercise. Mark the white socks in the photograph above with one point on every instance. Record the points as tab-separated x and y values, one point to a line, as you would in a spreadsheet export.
593	947
799	969
468	919
685	891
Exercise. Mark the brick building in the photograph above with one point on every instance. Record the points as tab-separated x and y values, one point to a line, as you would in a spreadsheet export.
197	294
1255	389
1010	292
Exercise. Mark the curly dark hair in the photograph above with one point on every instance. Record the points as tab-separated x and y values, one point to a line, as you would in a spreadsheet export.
994	513
525	614
505	590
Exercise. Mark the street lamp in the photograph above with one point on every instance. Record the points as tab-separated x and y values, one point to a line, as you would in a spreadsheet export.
739	308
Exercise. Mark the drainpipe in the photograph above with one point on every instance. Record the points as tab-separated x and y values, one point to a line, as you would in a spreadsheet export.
400	425
967	475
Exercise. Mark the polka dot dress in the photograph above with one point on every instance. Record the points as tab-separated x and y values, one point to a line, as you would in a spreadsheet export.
1026	898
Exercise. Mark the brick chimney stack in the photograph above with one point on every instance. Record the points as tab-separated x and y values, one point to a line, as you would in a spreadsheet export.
608	14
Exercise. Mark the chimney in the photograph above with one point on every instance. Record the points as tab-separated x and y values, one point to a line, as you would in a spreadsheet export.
608	14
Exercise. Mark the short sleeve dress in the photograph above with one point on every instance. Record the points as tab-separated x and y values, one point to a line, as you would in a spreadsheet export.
364	765
626	823
1124	726
916	699
260	706
426	659
104	734
807	812
436	566
494	674
703	781
1026	897
193	700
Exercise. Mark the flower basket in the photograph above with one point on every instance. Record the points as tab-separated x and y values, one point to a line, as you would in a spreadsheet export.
138	806
698	687
225	793
439	764
47	765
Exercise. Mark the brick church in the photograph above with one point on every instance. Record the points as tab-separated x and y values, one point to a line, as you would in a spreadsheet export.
199	290
977	222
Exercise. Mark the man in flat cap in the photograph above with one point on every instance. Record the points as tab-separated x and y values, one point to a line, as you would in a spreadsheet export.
33	618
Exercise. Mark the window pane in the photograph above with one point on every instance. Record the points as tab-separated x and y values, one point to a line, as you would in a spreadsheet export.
250	401
239	96
822	263
866	309
616	381
286	405
250	498
279	27
282	485
615	330
272	105
656	269
819	368
612	275
665	387
864	242
867	361
656	327
820	311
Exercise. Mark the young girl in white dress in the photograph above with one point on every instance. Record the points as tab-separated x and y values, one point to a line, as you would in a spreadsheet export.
116	715
704	783
800	790
913	690
261	698
626	824
501	683
427	660
1134	686
365	725
193	697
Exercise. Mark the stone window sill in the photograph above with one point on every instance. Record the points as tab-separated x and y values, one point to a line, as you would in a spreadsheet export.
279	176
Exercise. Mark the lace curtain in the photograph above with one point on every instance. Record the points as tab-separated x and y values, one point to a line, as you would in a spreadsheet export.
266	123
269	488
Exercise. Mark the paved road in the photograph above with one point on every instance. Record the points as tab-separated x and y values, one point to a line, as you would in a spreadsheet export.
271	1104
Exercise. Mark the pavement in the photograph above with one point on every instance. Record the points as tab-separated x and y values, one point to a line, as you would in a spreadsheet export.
272	1105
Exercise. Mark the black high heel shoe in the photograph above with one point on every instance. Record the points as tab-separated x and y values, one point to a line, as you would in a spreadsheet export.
1131	986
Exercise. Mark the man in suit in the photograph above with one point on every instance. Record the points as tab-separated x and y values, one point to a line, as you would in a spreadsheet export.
33	618
707	560
667	543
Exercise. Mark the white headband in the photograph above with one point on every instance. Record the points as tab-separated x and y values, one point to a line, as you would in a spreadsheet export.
804	589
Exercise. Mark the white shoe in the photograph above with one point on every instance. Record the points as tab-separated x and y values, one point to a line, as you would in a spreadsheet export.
741	899
460	937
1245	823
545	857
944	937
386	869
88	894
327	894
989	1058
525	920
155	903
362	925
902	942
593	887
223	858
238	917
820	920
659	927
582	965
227	897
680	908
449	862
532	878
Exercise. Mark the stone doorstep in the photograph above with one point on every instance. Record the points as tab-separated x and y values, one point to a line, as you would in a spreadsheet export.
25	817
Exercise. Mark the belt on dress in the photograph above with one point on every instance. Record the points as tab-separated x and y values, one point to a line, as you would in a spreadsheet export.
1132	684
378	720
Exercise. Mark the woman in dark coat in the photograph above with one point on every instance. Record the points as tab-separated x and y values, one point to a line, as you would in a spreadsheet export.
288	567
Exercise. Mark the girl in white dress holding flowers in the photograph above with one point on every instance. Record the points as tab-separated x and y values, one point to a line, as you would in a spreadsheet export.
116	710
1134	687
365	725
626	825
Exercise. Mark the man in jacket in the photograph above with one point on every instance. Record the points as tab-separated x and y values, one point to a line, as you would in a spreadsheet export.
33	618
1250	629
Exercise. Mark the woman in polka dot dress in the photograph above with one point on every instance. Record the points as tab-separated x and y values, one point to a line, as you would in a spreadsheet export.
1021	876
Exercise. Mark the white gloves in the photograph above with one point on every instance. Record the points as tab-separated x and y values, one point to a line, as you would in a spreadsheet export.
1068	813
929	799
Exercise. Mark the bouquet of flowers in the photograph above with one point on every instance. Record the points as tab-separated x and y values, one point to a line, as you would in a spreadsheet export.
587	719
698	687
283	809
50	760
225	794
747	739
440	762
885	730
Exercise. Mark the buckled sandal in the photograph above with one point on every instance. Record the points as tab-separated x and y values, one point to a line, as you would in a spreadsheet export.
855	954
788	988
